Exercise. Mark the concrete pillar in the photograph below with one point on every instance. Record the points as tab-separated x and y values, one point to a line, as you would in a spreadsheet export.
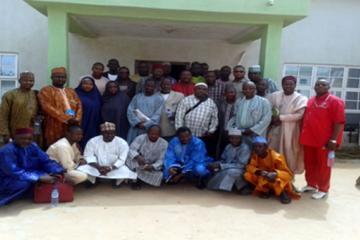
270	50
58	52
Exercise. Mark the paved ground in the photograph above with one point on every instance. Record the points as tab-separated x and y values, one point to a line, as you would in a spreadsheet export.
183	212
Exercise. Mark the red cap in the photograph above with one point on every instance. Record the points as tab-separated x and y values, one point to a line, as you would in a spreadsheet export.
21	131
157	65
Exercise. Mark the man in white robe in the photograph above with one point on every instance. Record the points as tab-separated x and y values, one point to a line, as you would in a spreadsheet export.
284	132
106	155
66	152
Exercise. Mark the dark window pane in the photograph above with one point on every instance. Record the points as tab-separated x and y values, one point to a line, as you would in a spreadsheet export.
351	105
351	96
352	83
354	73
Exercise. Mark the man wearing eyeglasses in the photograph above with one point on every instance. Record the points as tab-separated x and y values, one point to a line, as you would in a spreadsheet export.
321	135
239	79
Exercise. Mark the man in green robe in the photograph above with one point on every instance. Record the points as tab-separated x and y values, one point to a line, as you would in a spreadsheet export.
18	108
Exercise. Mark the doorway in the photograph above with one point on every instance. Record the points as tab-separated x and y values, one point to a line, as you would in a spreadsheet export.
176	67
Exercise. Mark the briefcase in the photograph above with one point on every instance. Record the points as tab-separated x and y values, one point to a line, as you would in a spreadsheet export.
42	191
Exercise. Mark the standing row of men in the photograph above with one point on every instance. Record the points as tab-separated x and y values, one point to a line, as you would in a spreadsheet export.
196	119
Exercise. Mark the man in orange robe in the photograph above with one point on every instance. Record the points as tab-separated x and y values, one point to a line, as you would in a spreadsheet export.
61	107
268	172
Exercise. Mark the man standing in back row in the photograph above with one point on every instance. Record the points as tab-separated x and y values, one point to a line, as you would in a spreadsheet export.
199	113
254	75
18	108
61	106
252	114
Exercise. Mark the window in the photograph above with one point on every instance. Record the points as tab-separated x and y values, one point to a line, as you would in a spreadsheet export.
8	72
304	76
352	98
345	81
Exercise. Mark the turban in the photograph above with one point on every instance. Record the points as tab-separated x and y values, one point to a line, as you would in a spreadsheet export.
107	126
255	69
291	78
58	70
260	139
234	132
23	131
26	73
201	84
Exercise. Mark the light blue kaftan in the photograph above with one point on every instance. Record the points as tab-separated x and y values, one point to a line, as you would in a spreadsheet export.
151	106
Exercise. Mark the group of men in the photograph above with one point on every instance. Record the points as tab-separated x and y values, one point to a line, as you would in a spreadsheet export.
240	134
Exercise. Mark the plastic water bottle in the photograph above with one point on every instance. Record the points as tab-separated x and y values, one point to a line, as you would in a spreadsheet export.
54	197
37	125
331	158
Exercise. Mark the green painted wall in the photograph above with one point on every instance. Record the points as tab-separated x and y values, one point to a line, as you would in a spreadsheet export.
58	53
270	50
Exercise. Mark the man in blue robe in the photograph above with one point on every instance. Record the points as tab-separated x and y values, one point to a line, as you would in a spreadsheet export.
144	110
22	164
228	171
186	157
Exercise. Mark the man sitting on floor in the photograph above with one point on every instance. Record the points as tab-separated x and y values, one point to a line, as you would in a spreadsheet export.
106	155
268	172
22	164
186	157
146	157
228	172
66	152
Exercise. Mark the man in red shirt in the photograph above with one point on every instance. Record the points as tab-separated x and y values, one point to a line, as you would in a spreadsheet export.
185	84
321	134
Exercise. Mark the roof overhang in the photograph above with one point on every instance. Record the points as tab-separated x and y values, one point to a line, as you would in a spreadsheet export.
235	21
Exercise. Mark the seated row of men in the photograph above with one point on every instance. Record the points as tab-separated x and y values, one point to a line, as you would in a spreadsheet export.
149	159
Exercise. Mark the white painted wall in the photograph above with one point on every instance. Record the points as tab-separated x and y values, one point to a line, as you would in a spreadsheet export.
328	36
24	31
85	51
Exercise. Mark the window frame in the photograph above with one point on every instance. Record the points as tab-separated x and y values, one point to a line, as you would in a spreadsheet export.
14	78
343	89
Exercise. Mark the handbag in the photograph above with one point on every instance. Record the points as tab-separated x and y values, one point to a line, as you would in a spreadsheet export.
42	191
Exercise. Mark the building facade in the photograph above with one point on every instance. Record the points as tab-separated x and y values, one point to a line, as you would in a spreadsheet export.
308	39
